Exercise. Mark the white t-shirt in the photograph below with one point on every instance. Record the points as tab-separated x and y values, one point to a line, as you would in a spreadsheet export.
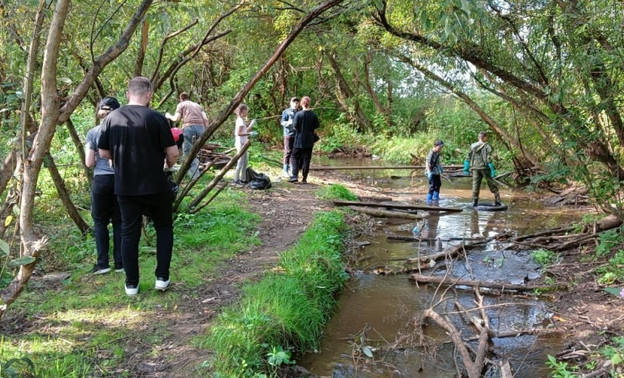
241	126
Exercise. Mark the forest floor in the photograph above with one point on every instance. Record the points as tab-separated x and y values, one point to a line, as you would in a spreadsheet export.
587	316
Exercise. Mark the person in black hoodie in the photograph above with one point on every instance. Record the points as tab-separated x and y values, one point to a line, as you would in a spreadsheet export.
304	124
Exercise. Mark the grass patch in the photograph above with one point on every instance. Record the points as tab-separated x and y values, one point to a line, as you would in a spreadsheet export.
86	325
544	257
287	309
336	192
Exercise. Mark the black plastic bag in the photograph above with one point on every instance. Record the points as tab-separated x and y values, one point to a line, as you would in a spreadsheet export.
258	181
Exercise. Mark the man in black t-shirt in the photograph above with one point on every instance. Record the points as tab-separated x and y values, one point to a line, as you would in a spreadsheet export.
139	141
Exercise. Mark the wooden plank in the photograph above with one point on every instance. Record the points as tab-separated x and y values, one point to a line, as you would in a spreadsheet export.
398	206
375	167
385	213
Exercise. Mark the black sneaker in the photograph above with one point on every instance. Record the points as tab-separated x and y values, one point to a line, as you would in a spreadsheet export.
98	270
119	268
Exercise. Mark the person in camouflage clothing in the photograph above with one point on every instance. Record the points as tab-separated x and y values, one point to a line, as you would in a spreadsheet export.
479	160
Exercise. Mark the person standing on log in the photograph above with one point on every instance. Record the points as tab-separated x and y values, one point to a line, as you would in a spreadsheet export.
288	115
433	169
304	124
194	123
479	160
139	142
104	205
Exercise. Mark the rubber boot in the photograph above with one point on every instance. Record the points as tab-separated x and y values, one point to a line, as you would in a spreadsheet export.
475	202
497	201
428	197
436	196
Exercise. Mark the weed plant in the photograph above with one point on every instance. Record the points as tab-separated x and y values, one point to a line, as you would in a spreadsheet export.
336	192
287	309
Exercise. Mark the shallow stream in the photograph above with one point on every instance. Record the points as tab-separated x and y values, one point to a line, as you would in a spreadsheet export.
372	333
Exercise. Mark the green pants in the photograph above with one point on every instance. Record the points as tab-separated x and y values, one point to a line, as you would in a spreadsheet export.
477	177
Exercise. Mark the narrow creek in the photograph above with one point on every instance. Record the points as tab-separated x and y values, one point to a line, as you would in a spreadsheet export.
377	313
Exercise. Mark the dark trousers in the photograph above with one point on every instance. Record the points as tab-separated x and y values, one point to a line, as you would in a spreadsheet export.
477	176
105	210
158	207
301	161
435	183
289	141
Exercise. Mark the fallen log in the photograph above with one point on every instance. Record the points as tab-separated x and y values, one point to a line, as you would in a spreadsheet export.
374	167
436	256
472	369
374	199
419	278
385	213
398	206
411	238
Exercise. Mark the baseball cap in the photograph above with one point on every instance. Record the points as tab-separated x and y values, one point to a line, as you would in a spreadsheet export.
294	99
438	142
108	103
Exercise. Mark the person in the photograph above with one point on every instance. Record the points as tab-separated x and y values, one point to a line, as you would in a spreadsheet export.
194	123
139	140
288	116
305	123
479	160
104	205
241	132
433	169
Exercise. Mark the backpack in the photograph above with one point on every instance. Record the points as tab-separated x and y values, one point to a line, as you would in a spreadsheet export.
257	180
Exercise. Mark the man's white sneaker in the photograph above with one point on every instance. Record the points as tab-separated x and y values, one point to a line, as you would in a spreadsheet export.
161	284
132	290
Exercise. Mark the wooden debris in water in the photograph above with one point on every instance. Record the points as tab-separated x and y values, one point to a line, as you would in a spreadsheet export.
385	213
398	206
444	280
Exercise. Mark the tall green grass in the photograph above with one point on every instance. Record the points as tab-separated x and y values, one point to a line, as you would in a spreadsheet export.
336	192
288	308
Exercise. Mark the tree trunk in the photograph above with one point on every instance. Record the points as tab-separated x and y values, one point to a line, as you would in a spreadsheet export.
31	244
347	98
373	95
79	147
138	68
63	193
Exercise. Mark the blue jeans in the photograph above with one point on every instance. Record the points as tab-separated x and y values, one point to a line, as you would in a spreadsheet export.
158	207
105	210
191	132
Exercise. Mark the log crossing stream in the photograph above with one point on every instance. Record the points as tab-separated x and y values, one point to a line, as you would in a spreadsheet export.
376	330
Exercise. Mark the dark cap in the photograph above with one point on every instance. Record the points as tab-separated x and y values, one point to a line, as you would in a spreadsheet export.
438	142
108	103
294	99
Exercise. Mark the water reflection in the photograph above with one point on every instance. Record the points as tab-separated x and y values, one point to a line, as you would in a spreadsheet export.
386	306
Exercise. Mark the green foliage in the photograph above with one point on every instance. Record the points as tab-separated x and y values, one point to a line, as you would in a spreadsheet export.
336	192
606	241
17	367
285	309
561	369
614	271
544	257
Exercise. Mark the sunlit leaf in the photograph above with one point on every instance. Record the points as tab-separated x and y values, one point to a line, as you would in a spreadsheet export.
4	247
24	260
8	220
367	351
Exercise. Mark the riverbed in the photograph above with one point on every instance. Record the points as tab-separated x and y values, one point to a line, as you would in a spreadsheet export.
375	332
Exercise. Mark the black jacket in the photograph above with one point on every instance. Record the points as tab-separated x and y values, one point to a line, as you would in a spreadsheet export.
305	123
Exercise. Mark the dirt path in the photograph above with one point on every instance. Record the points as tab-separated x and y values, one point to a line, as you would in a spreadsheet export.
286	212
